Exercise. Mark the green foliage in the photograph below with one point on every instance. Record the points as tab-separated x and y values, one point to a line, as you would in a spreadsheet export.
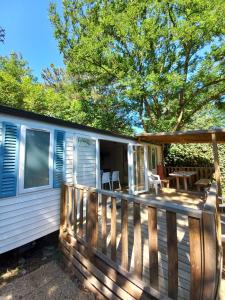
196	155
199	154
57	97
163	59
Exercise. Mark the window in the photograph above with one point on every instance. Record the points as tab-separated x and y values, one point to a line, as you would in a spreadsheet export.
36	158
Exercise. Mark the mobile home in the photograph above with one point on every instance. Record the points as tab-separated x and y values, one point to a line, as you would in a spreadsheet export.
39	153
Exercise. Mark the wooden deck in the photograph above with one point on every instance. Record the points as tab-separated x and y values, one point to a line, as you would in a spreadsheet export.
152	239
183	247
191	200
187	199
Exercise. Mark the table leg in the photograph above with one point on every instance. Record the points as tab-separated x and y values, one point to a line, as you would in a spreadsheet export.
185	184
191	181
178	183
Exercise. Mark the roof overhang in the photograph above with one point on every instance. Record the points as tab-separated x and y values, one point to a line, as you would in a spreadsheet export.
183	137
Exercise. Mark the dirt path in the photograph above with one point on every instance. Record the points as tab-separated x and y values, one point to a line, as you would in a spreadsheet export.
47	282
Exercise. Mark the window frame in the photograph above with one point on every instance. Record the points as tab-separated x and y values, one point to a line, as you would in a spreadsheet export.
23	190
150	160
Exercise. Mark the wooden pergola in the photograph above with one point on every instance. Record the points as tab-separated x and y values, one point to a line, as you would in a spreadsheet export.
212	136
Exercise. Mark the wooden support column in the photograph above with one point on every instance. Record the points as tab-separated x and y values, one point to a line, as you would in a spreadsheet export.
216	163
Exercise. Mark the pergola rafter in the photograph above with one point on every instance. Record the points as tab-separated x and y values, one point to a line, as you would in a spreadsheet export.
212	136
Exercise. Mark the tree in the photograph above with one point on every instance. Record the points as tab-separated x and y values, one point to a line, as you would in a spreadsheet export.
162	59
13	72
101	110
56	97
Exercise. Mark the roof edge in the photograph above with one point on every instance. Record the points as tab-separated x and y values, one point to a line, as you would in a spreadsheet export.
44	118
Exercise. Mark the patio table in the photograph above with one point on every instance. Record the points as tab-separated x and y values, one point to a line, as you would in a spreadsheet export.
182	174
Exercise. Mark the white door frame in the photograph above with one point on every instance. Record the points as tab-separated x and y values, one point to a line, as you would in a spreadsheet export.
131	168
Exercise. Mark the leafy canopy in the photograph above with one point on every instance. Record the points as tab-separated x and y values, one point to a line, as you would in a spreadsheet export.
164	60
56	97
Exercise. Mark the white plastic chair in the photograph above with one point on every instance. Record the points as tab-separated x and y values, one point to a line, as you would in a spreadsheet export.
116	178
154	181
106	179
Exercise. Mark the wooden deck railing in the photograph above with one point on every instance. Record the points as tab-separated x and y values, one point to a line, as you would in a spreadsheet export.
202	172
115	270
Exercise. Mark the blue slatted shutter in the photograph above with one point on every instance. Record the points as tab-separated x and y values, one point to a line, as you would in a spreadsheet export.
59	155
9	160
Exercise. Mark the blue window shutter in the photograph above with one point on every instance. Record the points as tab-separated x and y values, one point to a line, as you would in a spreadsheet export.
9	160
59	154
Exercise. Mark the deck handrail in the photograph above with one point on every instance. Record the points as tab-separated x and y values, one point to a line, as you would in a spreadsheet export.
162	204
79	240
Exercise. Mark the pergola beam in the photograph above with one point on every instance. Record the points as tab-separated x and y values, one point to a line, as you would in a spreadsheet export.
183	137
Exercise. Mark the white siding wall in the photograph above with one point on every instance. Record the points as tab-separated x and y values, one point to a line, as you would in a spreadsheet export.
29	216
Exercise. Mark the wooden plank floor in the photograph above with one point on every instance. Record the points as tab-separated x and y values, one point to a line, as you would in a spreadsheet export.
192	201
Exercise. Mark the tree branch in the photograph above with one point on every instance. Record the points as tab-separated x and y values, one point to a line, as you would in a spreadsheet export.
200	90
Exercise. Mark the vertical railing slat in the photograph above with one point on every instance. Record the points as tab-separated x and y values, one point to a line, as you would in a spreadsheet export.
153	247
75	196
81	213
92	222
137	241
195	239
124	233
172	254
113	228
63	209
104	224
70	208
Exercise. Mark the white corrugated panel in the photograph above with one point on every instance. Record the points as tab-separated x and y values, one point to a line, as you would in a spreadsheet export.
27	217
86	162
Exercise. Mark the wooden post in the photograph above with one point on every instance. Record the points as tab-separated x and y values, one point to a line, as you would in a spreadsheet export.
92	222
210	255
69	207
212	245
63	209
216	163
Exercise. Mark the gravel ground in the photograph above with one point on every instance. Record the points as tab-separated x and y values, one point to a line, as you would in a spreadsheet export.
47	282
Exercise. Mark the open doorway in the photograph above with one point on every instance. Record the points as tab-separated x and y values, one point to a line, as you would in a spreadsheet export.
113	157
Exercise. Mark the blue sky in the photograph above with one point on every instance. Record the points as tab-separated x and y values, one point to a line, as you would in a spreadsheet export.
29	32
